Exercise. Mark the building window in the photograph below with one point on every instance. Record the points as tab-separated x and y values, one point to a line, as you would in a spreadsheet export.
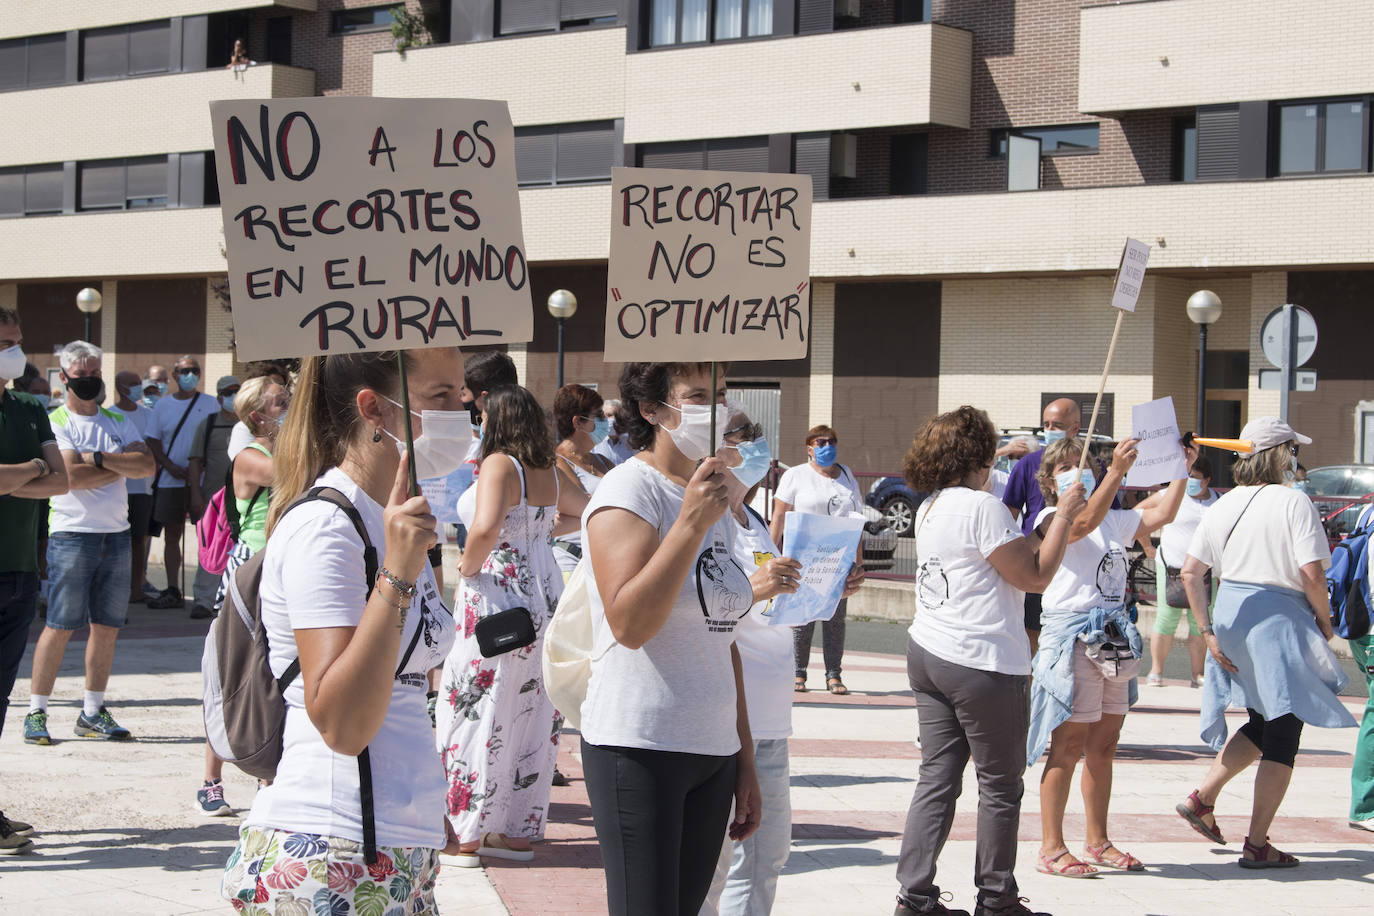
38	60
1315	137
907	165
32	190
564	153
367	19
681	22
1185	149
912	11
733	154
1066	140
522	16
126	50
122	184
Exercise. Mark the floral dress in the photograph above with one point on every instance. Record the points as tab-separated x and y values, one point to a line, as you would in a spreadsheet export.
497	730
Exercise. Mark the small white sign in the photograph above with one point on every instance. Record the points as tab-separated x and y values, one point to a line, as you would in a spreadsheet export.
1130	275
1161	458
1272	380
1272	337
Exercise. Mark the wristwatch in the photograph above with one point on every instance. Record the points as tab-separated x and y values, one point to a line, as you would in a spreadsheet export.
98	459
1207	630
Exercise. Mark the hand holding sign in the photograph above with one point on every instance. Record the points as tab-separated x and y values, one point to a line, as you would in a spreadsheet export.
708	266
357	224
825	546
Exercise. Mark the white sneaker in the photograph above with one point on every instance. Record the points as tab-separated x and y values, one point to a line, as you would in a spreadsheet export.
1154	680
1364	825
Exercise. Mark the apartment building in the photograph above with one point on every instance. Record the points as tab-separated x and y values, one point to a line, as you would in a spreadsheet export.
977	165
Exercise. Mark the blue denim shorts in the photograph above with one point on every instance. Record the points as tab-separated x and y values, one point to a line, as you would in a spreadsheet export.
88	576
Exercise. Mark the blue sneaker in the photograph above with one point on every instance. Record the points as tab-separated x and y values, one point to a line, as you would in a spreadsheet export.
36	728
101	725
210	800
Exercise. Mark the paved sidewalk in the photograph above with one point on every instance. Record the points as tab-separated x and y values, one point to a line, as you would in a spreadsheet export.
118	833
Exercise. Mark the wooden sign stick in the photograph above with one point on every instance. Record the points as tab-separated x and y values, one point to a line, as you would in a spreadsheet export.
1101	387
405	409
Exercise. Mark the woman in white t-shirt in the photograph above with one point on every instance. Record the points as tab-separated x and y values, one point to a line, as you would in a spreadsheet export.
357	702
968	657
665	736
822	486
1267	633
1089	655
1173	550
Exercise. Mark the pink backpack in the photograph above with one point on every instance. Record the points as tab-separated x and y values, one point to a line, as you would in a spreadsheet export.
217	532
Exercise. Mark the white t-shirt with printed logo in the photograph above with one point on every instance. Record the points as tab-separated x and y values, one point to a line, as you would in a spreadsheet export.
140	417
807	490
677	691
313	577
1093	573
104	510
765	652
966	613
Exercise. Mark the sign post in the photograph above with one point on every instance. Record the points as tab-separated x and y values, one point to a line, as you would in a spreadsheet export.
367	224
1130	279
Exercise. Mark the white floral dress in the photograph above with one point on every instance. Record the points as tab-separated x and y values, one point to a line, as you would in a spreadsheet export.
497	730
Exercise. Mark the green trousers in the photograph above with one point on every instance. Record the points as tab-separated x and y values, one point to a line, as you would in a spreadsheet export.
1362	774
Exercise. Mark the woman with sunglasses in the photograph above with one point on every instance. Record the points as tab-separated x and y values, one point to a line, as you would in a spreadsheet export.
822	486
1267	633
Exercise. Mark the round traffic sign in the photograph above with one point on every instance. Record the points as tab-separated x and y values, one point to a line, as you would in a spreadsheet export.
1273	343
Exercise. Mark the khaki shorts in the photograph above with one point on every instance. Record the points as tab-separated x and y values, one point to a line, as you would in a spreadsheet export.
1093	694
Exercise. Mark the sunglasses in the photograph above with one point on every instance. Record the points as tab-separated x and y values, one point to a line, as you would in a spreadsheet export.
820	441
746	432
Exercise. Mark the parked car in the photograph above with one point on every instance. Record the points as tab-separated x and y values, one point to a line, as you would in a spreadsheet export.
1340	492
896	502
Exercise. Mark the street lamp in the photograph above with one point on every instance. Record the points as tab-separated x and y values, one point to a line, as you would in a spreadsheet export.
1204	308
562	306
88	303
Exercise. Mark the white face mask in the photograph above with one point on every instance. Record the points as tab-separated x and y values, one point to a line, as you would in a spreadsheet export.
693	433
12	362
444	441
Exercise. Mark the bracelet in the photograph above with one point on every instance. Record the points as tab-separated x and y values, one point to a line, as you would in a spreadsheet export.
1207	630
403	588
43	469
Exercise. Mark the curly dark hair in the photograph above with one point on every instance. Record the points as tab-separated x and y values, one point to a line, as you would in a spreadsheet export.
648	383
948	448
571	402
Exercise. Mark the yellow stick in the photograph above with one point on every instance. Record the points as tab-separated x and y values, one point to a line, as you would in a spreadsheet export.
1101	387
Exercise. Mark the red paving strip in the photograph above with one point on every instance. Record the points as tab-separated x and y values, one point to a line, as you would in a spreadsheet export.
847	748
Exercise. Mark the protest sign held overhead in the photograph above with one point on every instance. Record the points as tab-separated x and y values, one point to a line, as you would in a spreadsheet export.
1130	275
708	266
1160	458
357	224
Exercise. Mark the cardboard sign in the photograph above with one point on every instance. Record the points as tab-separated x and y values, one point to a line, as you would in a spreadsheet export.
825	545
1130	275
1160	458
370	224
708	266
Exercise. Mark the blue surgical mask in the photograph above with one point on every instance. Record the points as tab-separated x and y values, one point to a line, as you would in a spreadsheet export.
601	430
825	454
1054	435
161	388
149	400
227	402
1069	478
187	381
1300	486
756	459
1194	486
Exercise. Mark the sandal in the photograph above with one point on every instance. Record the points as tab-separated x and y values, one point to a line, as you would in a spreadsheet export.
1071	869
799	685
494	846
1193	811
1122	860
836	686
1266	856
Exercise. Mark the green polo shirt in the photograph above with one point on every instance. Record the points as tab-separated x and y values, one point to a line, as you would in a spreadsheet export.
24	430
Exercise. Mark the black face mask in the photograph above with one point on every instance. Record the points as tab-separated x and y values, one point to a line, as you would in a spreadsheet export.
89	388
475	413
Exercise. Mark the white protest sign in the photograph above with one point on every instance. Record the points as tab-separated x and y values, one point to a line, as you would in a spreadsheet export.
825	546
1130	275
370	224
708	266
1160	458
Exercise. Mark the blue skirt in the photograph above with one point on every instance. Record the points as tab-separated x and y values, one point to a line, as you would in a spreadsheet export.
1285	666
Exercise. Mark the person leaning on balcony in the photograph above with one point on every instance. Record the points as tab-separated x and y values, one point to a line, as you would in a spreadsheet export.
1267	633
968	657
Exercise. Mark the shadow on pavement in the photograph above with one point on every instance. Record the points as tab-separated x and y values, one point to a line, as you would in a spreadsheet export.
202	847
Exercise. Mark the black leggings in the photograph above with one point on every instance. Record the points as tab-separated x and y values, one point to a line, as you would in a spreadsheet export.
1277	739
660	819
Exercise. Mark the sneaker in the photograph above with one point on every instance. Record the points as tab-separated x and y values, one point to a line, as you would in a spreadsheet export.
1196	681
14	826
210	800
36	728
101	725
1017	908
150	590
558	778
12	842
167	599
1367	824
1154	680
938	908
201	612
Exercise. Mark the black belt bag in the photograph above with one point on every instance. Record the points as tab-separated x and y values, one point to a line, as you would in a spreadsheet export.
504	632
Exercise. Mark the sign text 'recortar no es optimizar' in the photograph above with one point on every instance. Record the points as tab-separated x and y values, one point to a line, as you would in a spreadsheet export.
370	224
708	266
